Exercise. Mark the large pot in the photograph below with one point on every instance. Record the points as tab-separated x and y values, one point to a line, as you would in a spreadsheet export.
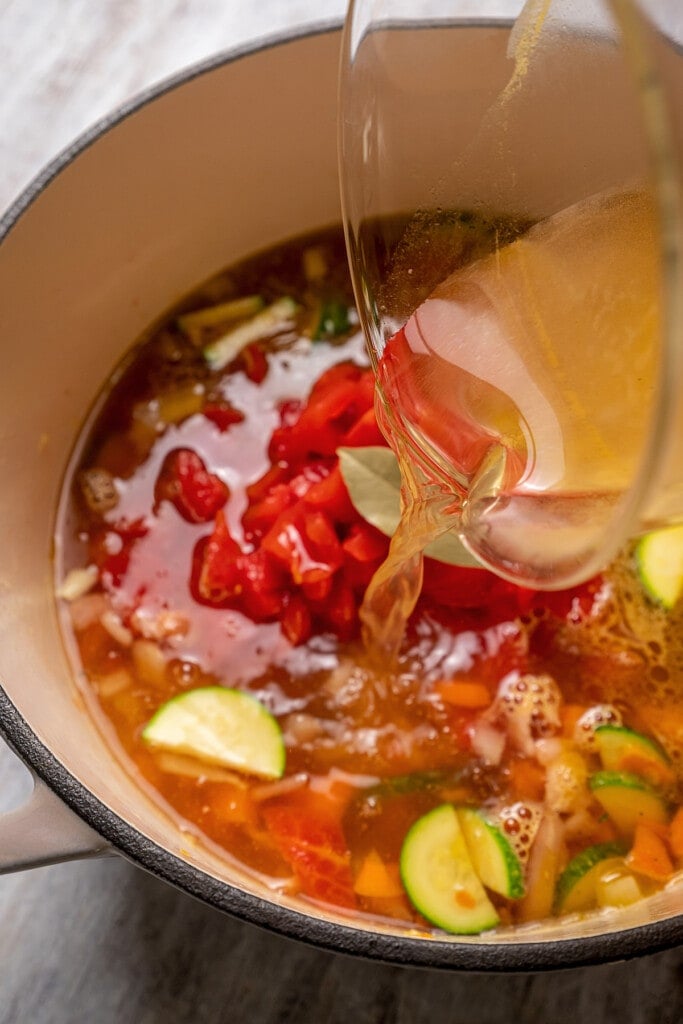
226	160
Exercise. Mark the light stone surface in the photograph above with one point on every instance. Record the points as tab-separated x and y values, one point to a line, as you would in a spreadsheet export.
100	941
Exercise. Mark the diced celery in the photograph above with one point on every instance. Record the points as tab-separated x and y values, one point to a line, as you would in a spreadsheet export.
193	323
271	320
78	582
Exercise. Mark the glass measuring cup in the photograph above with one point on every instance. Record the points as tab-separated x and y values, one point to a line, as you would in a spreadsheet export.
515	242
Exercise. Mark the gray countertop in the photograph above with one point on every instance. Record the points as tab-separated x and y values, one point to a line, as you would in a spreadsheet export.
100	941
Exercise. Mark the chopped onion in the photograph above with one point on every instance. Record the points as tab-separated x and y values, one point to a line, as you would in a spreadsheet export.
113	683
488	743
149	662
272	789
78	582
116	629
300	727
192	768
324	783
161	626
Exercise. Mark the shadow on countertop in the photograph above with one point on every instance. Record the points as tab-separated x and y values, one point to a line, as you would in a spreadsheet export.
103	942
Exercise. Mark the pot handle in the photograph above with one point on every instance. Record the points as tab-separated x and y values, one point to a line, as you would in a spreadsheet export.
45	831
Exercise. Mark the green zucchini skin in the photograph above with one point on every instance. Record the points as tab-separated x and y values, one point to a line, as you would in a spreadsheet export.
573	891
221	726
659	560
492	854
439	878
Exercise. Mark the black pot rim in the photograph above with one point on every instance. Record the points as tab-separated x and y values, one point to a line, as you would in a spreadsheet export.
444	954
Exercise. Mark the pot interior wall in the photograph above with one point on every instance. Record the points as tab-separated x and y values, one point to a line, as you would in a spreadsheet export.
206	173
233	160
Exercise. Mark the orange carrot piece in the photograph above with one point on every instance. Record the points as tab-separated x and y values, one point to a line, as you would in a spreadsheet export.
676	834
377	880
464	694
527	779
569	716
649	855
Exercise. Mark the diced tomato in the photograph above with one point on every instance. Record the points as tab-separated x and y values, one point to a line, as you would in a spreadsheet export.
110	548
261	487
341	396
290	412
333	377
255	364
185	481
222	414
341	610
311	840
262	584
364	432
259	517
365	543
326	421
331	496
304	541
317	588
288	445
296	620
365	548
322	538
219	572
311	474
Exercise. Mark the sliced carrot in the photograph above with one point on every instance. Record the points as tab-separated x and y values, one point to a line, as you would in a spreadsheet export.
649	855
464	694
527	779
676	834
569	716
376	879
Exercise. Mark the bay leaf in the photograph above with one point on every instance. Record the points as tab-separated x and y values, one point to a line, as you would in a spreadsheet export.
373	480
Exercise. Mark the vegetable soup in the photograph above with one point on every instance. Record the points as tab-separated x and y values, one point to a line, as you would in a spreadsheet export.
228	503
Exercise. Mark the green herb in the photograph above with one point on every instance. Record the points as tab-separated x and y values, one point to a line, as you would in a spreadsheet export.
332	321
373	480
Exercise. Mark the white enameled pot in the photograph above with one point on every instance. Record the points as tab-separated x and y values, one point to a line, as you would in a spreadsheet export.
231	158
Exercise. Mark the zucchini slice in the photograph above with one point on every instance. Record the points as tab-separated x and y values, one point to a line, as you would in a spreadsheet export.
576	886
624	750
439	878
628	799
220	726
493	856
659	557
